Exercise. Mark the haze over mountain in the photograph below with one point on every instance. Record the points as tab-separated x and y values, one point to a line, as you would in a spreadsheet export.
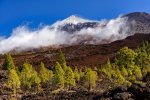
76	30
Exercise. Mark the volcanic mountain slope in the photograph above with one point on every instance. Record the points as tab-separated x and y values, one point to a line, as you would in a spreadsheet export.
76	31
139	21
105	31
75	23
79	55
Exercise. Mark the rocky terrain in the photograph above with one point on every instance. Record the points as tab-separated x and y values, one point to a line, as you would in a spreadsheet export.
140	22
134	92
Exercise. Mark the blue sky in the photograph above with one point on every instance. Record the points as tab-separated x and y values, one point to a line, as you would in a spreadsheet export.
17	12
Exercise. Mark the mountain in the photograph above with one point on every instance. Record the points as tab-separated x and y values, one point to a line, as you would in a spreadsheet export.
139	21
76	30
105	31
140	17
75	23
71	28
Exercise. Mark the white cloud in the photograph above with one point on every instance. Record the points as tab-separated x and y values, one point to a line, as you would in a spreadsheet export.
23	38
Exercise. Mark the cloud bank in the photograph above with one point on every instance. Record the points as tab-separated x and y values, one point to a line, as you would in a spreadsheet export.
23	38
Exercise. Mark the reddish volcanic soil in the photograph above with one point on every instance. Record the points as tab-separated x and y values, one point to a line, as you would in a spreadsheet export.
79	55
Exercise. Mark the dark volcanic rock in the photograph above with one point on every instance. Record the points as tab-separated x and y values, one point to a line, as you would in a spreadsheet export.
64	95
134	92
139	22
70	28
147	78
118	90
140	93
122	96
139	17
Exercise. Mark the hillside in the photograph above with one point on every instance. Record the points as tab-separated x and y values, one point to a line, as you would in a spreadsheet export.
79	55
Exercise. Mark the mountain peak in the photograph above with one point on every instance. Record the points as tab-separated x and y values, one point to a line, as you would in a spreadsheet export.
138	16
75	20
137	13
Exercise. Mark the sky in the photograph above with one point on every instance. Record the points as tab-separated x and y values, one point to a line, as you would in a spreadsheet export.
14	13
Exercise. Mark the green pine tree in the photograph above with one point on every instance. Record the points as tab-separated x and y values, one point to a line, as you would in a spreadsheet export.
117	77
58	79
13	80
143	60
29	77
69	77
8	63
125	57
107	69
90	78
81	73
76	74
62	60
45	74
124	72
145	47
137	72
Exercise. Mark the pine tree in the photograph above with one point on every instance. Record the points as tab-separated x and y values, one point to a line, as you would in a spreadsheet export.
125	57
137	72
143	60
107	69
8	64
76	74
81	73
62	60
69	77
58	79
29	77
108	64
13	80
145	47
44	74
90	78
95	69
132	78
117	77
124	71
